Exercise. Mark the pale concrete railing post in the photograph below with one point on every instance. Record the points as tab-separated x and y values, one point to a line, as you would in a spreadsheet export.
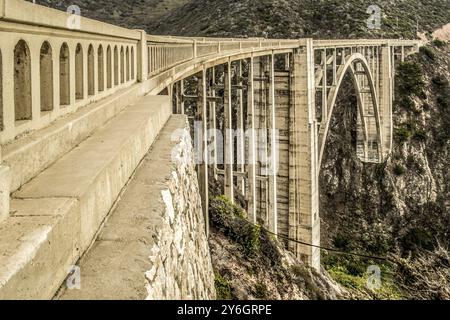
142	57
5	187
195	48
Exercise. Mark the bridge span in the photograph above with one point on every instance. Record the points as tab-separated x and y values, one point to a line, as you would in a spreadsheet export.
259	110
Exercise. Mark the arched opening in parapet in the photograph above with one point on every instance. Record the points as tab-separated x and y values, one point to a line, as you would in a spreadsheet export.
132	63
1	92
101	69
116	66
22	82
91	73
127	56
46	77
149	61
79	73
64	75
122	65
108	68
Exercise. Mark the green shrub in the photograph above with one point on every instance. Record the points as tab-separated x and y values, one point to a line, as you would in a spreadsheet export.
428	52
420	135
410	79
443	101
399	170
340	241
230	220
403	133
417	238
439	43
223	288
440	81
261	291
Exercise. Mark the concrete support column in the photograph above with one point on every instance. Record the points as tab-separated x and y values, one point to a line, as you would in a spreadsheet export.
240	128
213	118
251	164
228	128
142	57
272	160
324	87
304	222
385	97
202	116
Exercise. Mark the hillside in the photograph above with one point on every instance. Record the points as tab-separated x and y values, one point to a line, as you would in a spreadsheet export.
266	18
302	18
136	14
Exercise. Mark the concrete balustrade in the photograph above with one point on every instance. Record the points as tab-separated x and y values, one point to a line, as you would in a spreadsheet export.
53	76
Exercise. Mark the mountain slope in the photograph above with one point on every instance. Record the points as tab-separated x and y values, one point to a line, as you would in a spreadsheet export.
302	18
136	14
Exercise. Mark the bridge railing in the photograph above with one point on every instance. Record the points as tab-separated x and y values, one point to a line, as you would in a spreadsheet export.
166	52
52	63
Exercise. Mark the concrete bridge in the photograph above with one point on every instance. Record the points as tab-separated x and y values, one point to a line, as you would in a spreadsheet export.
80	108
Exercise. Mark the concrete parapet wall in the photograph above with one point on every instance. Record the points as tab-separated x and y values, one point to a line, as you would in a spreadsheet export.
180	260
153	245
43	237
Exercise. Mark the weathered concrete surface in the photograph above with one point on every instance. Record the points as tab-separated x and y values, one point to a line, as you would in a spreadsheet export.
153	245
38	243
33	153
35	246
95	171
5	185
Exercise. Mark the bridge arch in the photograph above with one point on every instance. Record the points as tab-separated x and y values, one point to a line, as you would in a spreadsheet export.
351	66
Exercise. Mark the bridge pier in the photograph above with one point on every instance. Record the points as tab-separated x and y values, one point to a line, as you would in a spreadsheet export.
386	97
304	222
202	116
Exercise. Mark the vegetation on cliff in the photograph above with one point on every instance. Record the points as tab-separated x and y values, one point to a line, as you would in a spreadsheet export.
251	264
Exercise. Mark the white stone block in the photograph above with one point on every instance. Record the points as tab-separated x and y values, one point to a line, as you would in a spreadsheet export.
5	185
